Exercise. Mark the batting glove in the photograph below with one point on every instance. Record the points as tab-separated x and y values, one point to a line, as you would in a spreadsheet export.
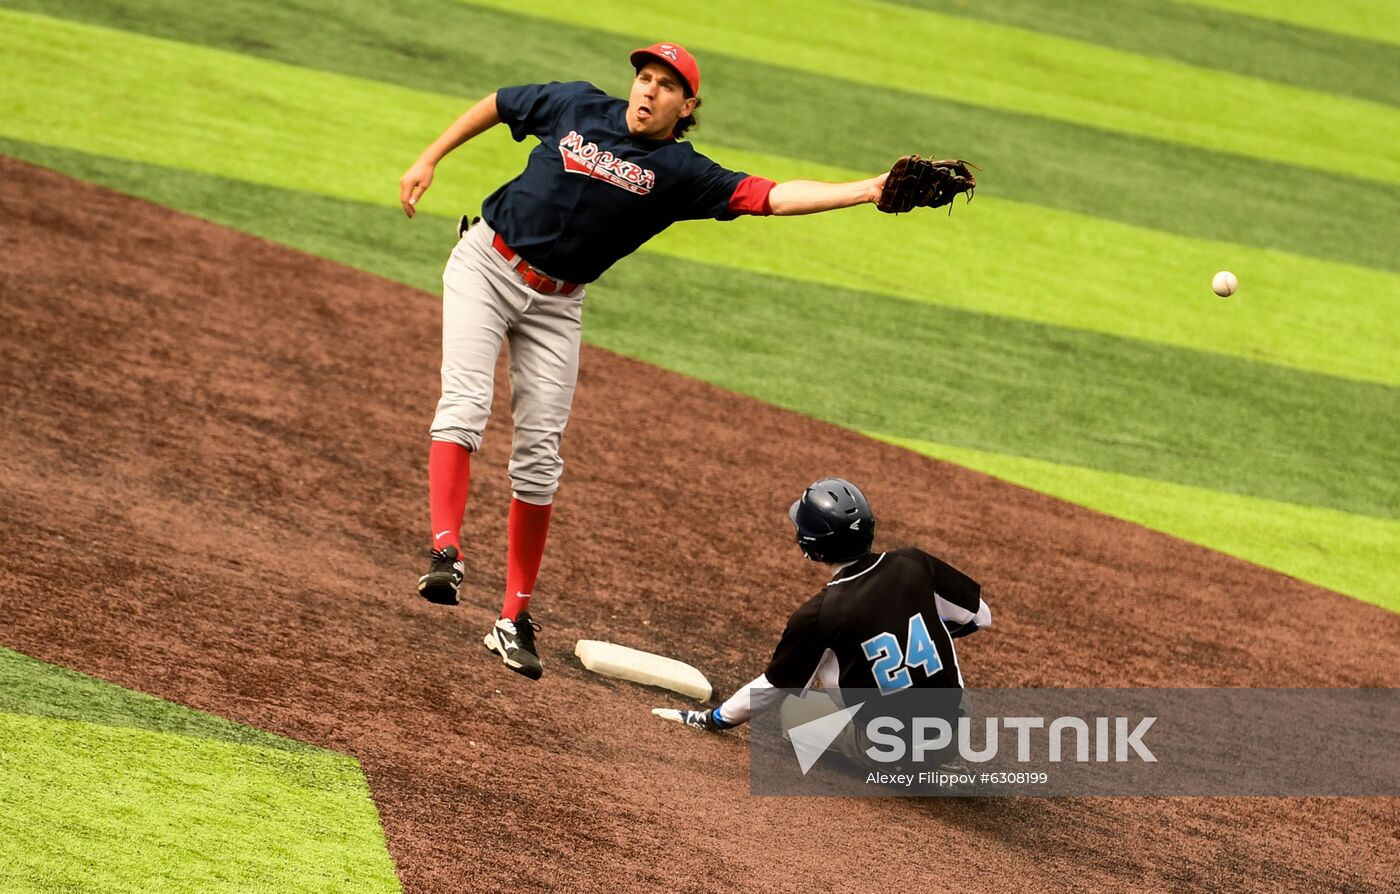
701	720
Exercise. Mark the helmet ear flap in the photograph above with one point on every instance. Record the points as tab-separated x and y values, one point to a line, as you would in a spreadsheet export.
805	541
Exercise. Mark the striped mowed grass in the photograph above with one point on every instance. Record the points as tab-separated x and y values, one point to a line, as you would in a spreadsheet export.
1059	332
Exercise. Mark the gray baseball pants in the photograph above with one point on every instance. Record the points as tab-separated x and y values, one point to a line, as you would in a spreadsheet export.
485	302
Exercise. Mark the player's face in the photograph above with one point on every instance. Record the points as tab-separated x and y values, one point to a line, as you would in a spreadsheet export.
657	102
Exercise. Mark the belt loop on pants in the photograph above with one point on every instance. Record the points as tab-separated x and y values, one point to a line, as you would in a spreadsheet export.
545	285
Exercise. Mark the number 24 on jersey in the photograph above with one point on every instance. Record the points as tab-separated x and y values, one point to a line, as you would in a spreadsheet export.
891	664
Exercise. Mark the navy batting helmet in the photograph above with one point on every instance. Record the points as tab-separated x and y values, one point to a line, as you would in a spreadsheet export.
834	522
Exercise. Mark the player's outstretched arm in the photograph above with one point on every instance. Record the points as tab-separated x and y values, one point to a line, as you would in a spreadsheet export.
479	118
708	720
798	656
757	695
813	196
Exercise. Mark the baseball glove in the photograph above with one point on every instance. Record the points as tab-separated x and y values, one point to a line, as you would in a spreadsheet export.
916	182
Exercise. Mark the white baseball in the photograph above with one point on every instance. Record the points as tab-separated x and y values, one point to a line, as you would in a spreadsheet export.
1224	283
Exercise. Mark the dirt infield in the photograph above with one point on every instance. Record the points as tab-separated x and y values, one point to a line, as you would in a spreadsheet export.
213	489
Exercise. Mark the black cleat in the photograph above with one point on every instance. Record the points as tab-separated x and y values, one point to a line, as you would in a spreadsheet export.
514	641
439	586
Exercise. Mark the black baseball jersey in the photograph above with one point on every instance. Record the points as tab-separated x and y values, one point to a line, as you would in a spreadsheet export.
591	193
882	618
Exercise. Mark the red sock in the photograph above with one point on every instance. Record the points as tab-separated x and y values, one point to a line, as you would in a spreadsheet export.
527	529
449	479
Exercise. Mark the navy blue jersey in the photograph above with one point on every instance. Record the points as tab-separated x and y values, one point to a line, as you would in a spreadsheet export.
591	193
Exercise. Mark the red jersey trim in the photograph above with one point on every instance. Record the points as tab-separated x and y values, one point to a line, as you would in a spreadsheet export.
751	196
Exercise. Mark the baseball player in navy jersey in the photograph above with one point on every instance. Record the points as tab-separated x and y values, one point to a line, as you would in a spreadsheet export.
886	621
606	175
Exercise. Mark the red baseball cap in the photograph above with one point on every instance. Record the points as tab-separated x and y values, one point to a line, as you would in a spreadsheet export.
674	55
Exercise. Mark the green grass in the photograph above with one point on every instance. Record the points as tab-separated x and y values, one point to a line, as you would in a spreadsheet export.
216	111
1029	72
103	789
270	123
1371	19
1031	263
1209	38
92	808
442	45
1358	555
1005	386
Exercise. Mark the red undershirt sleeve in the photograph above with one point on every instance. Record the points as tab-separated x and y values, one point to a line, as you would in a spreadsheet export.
751	196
